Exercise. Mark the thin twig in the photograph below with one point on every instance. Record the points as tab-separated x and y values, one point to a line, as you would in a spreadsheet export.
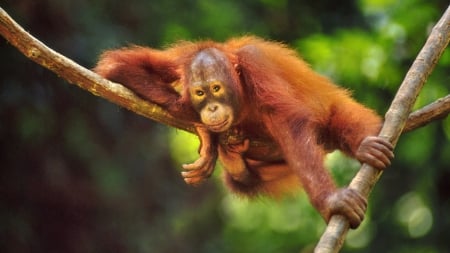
434	111
395	120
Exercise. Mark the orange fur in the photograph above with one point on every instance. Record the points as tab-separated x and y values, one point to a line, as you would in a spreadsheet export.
300	113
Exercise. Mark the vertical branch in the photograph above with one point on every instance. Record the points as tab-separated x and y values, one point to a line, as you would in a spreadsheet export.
395	119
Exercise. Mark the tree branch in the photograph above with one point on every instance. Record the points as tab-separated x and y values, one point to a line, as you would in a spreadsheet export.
434	111
395	120
84	78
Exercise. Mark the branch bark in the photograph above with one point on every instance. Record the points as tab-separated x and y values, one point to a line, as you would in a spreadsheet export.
434	111
78	75
395	120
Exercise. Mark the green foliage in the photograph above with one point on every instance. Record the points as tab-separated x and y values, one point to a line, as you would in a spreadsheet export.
414	215
81	175
183	146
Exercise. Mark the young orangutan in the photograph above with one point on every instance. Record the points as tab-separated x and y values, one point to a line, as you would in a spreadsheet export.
262	111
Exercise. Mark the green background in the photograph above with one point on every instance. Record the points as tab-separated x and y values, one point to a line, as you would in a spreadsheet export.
79	174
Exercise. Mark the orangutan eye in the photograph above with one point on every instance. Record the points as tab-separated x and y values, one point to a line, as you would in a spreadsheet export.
199	93
216	88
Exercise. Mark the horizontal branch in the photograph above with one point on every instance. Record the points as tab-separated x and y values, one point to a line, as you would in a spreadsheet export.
434	111
84	78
